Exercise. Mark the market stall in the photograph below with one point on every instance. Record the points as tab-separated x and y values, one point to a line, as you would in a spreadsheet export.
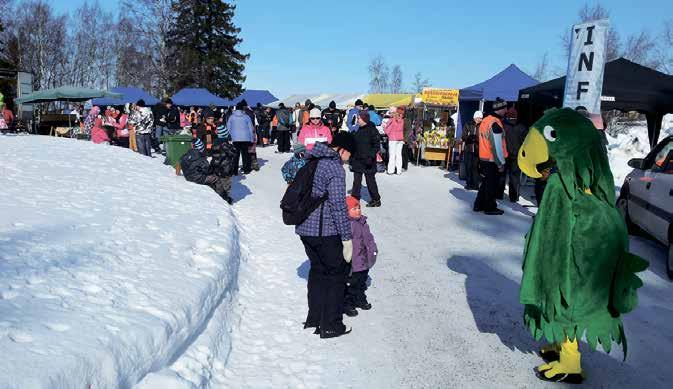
57	122
505	85
434	110
197	97
129	95
627	86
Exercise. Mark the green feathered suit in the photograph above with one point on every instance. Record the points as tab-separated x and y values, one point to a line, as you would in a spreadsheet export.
578	274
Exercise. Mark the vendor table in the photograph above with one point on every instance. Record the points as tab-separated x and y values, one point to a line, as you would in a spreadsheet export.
434	153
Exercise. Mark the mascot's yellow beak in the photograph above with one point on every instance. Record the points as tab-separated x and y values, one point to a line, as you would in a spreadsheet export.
533	152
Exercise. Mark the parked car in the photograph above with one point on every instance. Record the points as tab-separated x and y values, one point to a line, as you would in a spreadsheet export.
646	198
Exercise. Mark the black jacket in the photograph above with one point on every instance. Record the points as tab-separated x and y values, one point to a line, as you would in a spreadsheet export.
367	144
514	137
172	118
224	155
194	166
469	137
332	118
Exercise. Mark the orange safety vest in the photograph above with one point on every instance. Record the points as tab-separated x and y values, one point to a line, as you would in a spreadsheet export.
485	149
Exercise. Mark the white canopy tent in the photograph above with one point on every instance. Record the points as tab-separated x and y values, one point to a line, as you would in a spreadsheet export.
342	100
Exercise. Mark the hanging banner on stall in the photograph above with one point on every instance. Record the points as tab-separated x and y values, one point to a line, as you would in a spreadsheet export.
586	64
436	96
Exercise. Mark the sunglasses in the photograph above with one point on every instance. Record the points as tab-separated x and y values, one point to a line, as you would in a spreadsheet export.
315	118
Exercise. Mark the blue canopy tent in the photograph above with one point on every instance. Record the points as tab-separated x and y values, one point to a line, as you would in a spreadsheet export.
505	85
129	95
252	97
198	97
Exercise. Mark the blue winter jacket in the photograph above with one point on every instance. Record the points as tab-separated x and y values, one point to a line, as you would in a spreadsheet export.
330	178
352	120
374	117
240	127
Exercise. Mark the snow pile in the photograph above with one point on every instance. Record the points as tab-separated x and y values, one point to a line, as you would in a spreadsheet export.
632	142
110	265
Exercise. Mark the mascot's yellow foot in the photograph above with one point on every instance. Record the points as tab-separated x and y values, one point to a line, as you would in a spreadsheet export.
567	369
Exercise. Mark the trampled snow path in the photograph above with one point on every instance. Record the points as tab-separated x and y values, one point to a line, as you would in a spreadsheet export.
445	297
104	281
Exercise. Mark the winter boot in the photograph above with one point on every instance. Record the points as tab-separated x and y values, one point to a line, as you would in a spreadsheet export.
350	311
326	334
374	204
567	369
364	305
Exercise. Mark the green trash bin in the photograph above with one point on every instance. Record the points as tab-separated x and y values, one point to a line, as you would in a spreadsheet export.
176	147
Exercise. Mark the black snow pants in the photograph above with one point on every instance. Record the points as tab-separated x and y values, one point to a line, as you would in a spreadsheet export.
357	286
326	281
488	189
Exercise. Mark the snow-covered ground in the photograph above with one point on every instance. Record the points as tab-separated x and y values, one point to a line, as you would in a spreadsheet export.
110	265
444	291
632	142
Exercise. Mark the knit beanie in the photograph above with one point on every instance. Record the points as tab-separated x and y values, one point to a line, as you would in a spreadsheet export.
222	132
344	140
298	148
499	104
351	202
198	144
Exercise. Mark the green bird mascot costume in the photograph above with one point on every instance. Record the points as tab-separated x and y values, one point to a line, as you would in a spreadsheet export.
578	274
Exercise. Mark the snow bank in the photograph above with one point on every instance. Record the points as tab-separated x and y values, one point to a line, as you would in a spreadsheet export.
110	265
632	142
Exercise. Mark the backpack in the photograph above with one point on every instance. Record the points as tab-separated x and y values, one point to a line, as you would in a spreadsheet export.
283	118
298	203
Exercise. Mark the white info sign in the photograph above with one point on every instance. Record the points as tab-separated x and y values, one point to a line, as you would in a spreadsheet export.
584	80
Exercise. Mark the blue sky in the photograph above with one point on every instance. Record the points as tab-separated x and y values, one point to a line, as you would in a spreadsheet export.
312	47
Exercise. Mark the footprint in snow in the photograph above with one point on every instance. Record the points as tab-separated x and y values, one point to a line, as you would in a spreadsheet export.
8	295
94	289
20	337
57	327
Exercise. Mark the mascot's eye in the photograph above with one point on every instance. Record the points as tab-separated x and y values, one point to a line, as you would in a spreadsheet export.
550	133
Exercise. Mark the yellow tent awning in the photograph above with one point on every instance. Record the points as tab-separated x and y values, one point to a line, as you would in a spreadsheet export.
386	100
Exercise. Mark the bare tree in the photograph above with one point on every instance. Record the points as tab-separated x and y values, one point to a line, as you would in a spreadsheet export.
665	51
37	40
542	68
378	75
419	83
396	80
151	21
588	13
641	48
134	66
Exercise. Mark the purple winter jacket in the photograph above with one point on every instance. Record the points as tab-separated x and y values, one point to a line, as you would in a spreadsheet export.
364	246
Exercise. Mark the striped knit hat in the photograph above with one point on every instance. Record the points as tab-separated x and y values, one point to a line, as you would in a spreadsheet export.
198	144
222	132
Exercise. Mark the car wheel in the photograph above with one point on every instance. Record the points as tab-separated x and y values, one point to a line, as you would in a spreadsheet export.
669	261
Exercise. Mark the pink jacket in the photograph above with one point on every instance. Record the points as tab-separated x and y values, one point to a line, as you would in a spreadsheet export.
310	134
395	130
98	134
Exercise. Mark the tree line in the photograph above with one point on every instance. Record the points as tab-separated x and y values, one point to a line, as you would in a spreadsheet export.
647	48
384	80
158	45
